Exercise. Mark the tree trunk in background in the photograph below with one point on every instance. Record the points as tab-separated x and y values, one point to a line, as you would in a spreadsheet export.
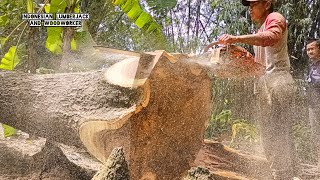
32	51
153	105
67	57
68	34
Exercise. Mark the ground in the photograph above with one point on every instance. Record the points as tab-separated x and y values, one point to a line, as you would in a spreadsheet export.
24	158
31	158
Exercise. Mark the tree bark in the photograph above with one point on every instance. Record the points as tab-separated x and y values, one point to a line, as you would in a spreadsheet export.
153	105
115	168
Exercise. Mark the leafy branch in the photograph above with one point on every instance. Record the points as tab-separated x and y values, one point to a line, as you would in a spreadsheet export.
134	12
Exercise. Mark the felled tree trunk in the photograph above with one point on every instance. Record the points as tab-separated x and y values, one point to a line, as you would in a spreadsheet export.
153	105
227	163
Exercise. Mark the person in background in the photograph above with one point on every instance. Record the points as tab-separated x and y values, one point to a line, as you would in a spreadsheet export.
275	89
313	91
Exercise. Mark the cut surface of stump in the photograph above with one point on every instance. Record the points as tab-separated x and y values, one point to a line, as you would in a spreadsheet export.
162	135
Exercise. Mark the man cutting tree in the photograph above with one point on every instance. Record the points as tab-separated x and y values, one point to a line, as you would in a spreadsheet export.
275	88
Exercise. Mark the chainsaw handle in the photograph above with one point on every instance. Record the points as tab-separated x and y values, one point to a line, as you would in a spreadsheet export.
210	45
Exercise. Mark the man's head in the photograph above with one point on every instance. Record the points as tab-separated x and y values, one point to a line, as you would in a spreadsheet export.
313	49
259	9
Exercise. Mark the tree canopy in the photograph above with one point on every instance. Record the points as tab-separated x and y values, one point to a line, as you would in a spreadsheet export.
176	26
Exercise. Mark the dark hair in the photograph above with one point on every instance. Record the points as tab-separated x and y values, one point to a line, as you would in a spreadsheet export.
311	40
271	8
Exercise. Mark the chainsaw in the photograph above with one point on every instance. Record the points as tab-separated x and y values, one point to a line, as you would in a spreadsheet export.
229	61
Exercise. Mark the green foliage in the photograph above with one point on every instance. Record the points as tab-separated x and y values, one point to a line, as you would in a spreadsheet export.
73	45
77	8
10	17
54	34
237	132
8	130
74	3
10	14
232	18
303	22
47	8
116	30
303	143
224	93
244	131
10	60
162	4
141	18
30	6
4	20
219	124
238	129
58	6
2	42
215	3
54	39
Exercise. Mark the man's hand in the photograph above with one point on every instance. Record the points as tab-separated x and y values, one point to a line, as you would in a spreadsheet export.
210	46
227	39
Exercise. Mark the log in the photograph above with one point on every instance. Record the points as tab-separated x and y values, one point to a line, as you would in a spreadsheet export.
226	162
154	105
22	158
196	173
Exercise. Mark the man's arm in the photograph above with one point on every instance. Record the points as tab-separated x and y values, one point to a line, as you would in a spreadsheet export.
275	28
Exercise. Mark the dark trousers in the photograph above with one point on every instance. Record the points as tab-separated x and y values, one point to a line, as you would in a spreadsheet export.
314	117
275	94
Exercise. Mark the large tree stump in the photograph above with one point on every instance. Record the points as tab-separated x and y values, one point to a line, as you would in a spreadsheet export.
153	105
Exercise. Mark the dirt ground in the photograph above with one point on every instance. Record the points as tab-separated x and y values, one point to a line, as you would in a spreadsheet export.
32	158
